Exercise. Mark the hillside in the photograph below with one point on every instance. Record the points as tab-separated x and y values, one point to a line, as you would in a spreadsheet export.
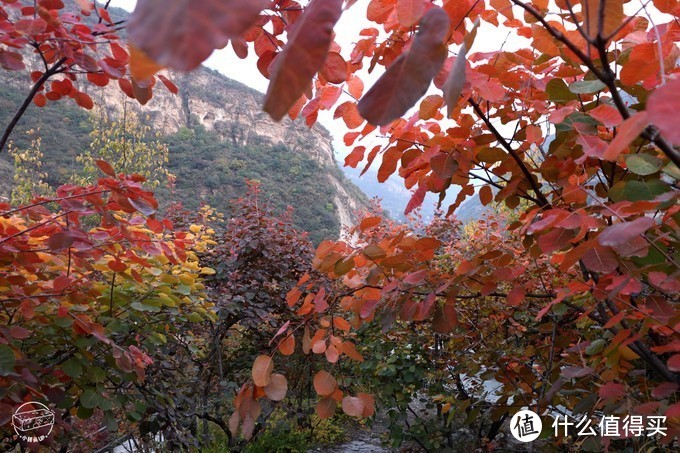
218	138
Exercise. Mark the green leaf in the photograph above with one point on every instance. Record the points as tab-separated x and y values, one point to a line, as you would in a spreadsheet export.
89	399
644	190
586	86
643	164
110	421
72	368
672	170
84	413
145	307
596	346
96	374
7	360
558	91
194	317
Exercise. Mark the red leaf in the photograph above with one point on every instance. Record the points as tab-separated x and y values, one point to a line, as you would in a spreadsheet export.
409	12
40	100
408	78
445	318
516	296
60	241
370	222
303	56
181	35
100	80
19	333
143	94
326	408
572	372
664	390
105	167
417	199
444	165
629	131
674	363
83	100
168	84
485	195
430	106
11	61
662	107
335	68
141	66
117	266
612	390
607	115
624	232
600	259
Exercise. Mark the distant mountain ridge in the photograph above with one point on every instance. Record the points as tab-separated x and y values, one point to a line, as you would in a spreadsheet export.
218	137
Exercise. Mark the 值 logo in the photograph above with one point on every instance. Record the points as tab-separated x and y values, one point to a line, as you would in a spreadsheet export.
526	426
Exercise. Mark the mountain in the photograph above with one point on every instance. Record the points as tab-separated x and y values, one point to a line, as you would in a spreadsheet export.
394	196
217	135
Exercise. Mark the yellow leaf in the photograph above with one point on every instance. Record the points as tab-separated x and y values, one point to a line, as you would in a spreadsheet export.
208	271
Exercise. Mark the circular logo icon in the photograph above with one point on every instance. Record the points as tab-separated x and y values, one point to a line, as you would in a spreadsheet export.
33	422
526	426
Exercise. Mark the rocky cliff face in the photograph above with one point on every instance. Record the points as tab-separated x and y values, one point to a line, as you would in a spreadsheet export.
233	111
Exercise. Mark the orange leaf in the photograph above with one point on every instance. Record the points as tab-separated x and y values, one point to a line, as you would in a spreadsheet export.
302	57
287	346
180	34
369	404
141	66
324	383
341	323
409	12
277	388
408	78
629	131
353	406
326	408
262	370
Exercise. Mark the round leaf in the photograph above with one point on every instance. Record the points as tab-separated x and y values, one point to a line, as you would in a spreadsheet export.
262	370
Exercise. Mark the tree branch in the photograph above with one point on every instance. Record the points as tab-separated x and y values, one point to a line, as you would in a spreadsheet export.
541	200
22	109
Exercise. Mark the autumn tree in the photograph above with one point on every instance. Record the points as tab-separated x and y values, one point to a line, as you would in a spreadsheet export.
90	314
29	180
128	146
579	124
63	47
